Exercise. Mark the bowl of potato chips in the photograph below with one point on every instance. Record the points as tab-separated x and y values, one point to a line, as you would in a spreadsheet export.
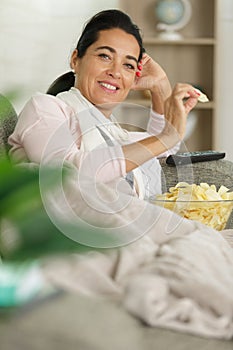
201	202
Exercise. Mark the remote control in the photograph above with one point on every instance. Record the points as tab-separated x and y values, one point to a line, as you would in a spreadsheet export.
194	157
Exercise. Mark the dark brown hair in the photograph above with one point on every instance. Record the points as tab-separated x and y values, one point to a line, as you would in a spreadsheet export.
104	20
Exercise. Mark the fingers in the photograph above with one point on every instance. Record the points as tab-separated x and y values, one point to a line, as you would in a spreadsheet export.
190	103
185	91
139	72
192	100
142	63
145	58
183	98
187	95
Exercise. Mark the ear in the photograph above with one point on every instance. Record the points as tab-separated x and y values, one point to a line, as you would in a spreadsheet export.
74	60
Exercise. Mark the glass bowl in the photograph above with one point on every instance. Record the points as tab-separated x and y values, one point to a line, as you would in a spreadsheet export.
189	201
211	213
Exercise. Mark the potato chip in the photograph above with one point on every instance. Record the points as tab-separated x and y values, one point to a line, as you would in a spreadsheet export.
199	202
202	98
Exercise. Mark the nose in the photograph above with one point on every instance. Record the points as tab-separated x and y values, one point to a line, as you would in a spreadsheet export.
114	70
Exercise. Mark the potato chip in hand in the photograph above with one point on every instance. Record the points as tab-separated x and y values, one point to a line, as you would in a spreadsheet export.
202	97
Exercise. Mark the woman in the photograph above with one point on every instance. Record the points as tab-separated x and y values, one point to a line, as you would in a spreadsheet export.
108	62
77	127
165	279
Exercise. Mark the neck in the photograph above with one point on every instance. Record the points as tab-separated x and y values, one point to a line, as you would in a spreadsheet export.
105	110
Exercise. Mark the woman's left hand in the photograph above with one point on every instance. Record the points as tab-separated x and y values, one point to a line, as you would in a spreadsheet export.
154	79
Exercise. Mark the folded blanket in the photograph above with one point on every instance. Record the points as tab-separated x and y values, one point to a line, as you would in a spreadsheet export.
185	289
185	284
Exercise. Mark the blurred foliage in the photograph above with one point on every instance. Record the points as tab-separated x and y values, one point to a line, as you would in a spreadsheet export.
7	110
12	95
23	218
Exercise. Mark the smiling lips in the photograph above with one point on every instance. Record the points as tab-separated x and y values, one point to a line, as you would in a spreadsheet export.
109	86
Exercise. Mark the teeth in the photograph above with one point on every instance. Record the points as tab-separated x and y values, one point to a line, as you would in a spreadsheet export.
108	86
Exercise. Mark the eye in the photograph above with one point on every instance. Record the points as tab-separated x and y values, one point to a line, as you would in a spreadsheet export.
130	66
104	56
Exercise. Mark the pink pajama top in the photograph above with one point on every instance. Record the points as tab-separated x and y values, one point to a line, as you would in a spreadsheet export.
45	118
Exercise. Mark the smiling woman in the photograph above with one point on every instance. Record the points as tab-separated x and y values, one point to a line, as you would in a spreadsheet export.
108	71
77	126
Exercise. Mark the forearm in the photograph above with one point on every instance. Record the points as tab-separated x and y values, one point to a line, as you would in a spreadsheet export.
155	126
139	152
176	111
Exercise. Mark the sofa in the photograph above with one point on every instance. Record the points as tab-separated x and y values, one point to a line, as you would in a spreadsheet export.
74	321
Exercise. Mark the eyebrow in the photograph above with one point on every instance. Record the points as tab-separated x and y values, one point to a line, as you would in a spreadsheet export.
111	49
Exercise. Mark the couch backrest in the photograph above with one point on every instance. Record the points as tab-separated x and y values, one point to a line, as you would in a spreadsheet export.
62	83
218	172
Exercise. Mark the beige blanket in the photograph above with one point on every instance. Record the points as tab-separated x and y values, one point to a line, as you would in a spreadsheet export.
173	273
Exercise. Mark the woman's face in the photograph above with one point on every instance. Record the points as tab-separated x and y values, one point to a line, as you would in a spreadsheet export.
107	71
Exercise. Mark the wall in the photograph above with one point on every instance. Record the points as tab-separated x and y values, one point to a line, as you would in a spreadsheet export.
37	37
224	85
